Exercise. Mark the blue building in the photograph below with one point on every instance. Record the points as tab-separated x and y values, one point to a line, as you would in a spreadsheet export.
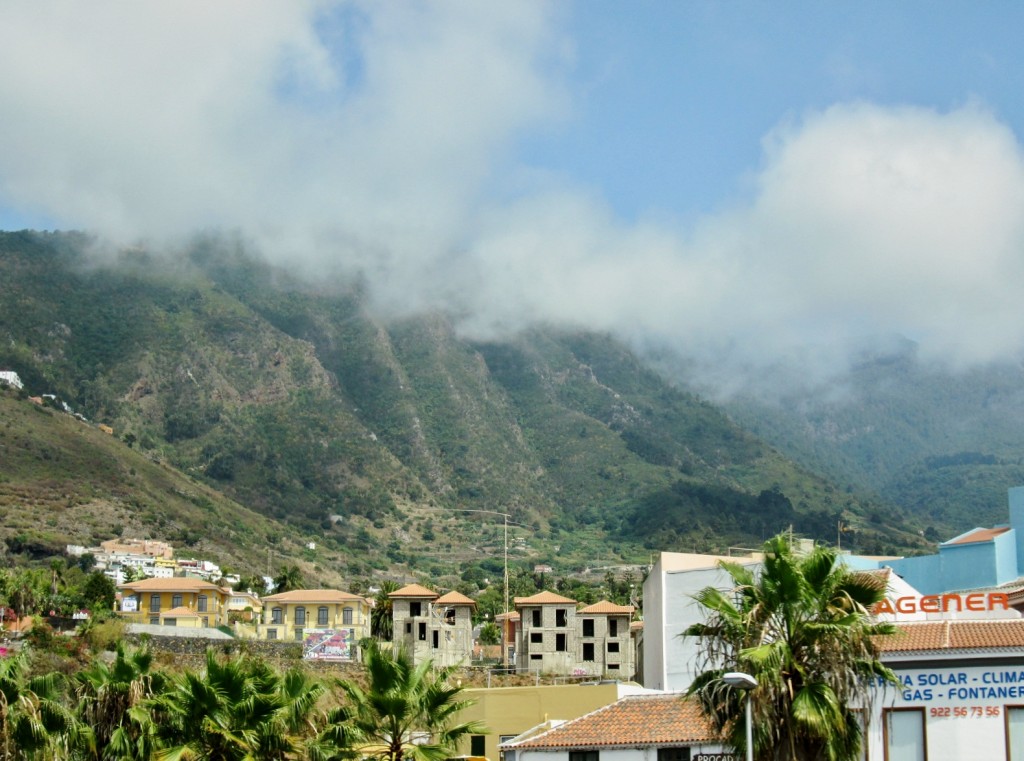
981	557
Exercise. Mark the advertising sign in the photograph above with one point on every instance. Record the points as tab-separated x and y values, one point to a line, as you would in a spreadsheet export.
129	605
330	645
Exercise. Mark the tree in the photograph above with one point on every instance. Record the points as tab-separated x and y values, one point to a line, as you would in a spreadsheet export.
99	592
382	623
288	578
33	720
804	630
405	711
107	696
237	709
490	634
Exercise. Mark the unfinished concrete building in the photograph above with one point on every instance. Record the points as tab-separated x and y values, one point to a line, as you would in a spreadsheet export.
433	628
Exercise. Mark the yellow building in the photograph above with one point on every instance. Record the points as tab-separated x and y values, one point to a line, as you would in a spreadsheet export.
510	711
174	602
297	614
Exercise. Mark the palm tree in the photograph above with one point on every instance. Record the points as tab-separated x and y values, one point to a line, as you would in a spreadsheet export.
108	696
405	711
238	709
803	629
34	723
288	578
382	622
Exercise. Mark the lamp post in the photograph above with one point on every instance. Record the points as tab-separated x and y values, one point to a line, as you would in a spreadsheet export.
747	683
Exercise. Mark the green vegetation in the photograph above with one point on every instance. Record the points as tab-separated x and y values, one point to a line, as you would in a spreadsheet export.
803	630
247	406
233	708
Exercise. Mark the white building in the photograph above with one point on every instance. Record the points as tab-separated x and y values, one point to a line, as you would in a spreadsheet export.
662	727
10	378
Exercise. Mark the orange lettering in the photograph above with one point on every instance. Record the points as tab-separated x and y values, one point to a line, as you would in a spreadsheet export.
976	601
955	598
930	604
998	597
906	604
884	606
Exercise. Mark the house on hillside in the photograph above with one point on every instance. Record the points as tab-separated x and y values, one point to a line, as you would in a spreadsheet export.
174	602
10	378
428	626
328	622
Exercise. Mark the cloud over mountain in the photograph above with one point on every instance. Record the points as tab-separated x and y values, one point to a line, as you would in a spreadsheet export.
383	137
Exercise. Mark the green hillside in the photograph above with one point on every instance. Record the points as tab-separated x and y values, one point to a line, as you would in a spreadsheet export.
943	444
378	439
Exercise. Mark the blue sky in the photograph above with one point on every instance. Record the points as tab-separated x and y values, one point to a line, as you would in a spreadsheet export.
673	98
746	182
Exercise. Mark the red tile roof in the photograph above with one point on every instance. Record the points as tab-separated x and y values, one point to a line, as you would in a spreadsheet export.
175	584
314	596
181	612
544	598
979	535
414	590
608	608
636	720
454	598
955	635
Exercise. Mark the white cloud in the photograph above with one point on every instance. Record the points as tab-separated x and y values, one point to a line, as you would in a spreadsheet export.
380	135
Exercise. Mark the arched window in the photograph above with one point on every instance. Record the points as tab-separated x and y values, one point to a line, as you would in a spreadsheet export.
300	616
201	604
176	601
275	616
346	616
321	616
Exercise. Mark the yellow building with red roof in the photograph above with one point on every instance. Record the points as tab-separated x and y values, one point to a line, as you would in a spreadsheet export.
175	601
298	614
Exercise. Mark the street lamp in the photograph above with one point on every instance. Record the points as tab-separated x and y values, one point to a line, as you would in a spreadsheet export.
745	682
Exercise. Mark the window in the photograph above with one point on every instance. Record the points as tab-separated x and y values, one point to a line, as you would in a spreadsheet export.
613	647
673	754
275	616
588	627
176	601
561	617
206	621
300	616
154	621
588	651
321	616
201	603
536	638
415	609
584	755
904	734
436	642
536	617
1014	733
422	631
346	616
560	643
170	622
154	603
298	635
613	667
613	627
408	628
449	616
271	633
535	656
476	745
